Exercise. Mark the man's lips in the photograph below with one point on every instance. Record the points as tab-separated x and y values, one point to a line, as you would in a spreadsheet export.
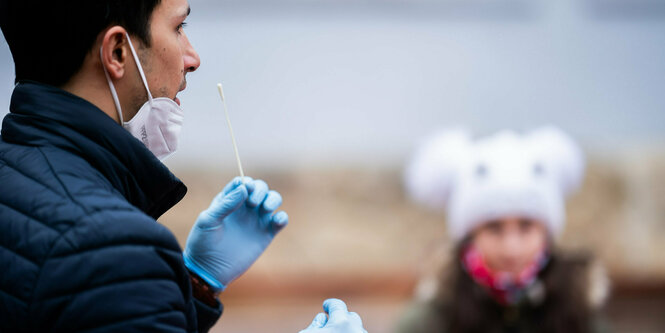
182	87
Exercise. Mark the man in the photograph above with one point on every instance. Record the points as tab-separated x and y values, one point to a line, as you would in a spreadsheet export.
93	112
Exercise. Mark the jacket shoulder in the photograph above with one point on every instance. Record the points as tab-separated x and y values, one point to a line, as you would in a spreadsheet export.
67	234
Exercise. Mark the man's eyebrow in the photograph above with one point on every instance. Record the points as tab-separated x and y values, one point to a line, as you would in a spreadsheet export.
185	14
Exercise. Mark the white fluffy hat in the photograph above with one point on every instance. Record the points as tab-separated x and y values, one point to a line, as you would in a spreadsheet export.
505	174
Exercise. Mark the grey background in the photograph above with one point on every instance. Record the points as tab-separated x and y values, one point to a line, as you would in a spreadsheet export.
356	83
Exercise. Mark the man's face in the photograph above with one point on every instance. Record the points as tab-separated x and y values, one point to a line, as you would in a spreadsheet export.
170	56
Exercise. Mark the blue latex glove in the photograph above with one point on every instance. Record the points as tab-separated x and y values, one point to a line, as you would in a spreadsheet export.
233	232
337	320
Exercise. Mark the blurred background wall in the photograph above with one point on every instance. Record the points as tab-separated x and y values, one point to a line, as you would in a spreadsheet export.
329	97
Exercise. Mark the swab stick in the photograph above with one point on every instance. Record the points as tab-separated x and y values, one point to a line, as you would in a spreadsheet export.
233	138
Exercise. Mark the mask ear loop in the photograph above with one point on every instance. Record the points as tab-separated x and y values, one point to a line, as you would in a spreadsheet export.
112	86
138	64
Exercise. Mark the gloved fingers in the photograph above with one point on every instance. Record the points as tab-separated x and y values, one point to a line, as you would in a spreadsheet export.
272	202
336	310
230	186
249	183
319	321
356	318
221	208
237	181
259	193
279	221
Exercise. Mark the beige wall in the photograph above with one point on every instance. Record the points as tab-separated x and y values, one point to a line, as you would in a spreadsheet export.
353	226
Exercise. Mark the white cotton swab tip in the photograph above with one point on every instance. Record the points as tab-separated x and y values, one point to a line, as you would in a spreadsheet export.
233	138
221	91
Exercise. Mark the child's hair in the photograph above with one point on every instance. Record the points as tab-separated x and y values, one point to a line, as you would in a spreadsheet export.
558	303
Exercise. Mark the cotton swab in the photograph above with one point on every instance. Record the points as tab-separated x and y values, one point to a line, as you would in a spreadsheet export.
233	138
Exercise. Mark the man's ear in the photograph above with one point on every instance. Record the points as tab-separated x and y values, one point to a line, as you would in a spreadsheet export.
115	52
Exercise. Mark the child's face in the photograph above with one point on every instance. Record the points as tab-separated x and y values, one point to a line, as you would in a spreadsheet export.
510	244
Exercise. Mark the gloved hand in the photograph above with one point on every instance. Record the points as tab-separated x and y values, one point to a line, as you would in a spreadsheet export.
233	232
338	319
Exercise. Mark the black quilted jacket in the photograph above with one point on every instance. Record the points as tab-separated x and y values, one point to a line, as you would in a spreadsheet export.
80	248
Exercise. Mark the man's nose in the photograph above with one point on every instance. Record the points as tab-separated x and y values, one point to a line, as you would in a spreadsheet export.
191	58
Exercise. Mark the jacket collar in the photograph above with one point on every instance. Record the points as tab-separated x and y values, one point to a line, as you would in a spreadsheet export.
42	115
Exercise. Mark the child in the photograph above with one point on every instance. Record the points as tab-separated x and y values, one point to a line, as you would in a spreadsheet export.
504	196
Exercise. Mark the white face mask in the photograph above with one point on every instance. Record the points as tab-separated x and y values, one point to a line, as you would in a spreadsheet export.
158	122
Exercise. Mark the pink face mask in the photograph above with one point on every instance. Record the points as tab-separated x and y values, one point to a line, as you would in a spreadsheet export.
505	288
157	123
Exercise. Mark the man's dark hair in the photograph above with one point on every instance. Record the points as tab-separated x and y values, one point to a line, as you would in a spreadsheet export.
49	39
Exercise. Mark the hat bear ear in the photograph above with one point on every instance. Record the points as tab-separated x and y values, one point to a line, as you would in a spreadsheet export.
561	155
431	174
